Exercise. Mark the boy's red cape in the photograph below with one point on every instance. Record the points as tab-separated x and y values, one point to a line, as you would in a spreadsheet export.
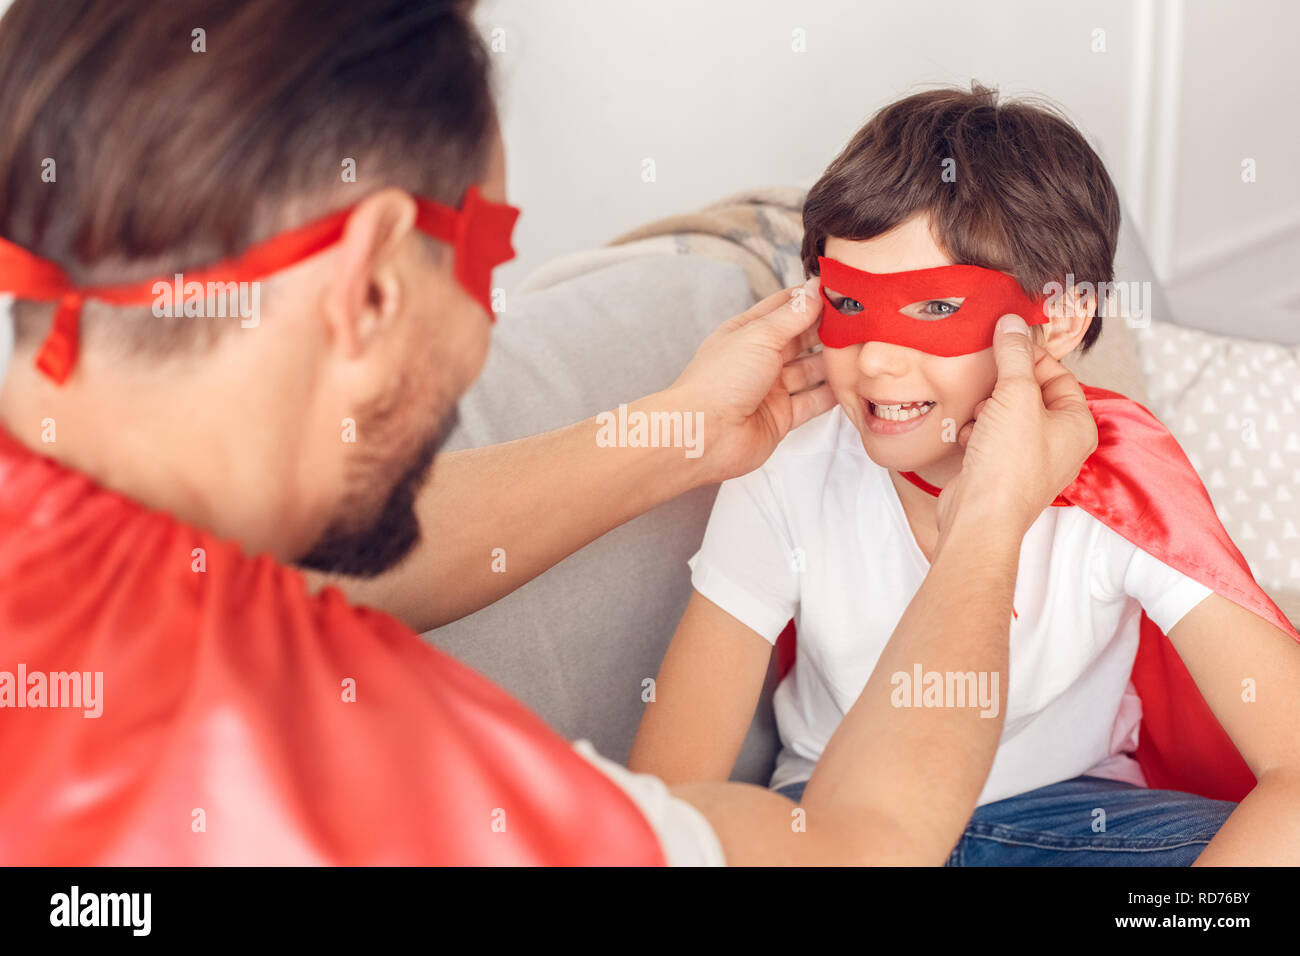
1140	484
246	722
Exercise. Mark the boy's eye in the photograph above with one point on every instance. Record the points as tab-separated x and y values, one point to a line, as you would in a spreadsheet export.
931	310
843	304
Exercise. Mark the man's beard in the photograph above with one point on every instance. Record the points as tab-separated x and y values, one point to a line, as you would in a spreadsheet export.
386	540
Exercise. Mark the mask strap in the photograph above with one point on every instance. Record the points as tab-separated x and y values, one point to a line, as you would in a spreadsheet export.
933	490
479	232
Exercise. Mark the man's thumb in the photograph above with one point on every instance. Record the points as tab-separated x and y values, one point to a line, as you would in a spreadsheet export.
798	314
1012	348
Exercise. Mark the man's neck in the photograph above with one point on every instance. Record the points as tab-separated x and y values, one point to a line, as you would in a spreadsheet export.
177	454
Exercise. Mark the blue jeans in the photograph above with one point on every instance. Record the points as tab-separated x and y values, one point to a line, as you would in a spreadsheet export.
1054	826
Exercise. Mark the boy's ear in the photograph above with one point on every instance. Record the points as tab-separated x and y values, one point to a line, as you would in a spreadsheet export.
1071	316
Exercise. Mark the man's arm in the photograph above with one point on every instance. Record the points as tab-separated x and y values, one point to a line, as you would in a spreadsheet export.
896	785
542	498
1223	645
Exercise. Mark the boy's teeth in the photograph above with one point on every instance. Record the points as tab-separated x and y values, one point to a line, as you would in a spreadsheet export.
901	412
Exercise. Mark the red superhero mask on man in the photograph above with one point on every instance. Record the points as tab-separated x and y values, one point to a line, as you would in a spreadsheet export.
479	233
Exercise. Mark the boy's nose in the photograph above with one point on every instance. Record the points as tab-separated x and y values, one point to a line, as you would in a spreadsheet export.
883	358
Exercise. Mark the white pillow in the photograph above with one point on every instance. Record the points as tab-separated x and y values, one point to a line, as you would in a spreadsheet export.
1234	406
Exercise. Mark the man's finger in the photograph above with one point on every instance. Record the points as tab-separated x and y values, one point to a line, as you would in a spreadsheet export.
808	405
1064	399
810	339
803	373
799	345
800	312
763	306
1012	348
1061	390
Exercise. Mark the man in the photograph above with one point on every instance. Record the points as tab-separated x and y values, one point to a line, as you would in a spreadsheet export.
175	694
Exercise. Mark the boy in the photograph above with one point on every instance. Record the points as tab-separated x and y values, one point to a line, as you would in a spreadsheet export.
944	211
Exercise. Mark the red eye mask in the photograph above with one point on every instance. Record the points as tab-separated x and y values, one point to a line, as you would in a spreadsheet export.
988	295
479	232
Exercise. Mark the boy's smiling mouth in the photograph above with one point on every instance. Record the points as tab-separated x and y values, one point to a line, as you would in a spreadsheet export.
892	417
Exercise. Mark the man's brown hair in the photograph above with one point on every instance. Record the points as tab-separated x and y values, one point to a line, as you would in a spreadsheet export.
168	158
1030	197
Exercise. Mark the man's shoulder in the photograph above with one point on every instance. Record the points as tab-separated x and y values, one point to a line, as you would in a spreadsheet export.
131	563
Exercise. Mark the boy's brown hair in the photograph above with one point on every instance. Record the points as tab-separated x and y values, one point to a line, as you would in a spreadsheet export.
1030	197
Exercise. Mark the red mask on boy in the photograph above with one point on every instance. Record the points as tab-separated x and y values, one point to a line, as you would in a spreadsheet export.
479	233
987	294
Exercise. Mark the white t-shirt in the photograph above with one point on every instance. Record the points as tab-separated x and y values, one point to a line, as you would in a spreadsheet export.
685	835
818	534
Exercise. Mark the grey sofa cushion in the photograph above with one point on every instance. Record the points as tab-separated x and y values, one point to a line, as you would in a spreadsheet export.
576	643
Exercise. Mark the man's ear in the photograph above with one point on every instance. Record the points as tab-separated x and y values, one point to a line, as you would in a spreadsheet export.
365	289
1070	318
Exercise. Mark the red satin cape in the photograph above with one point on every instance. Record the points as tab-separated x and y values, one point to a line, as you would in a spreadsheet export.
1140	484
225	737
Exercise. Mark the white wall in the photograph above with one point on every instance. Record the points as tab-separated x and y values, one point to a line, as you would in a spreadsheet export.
713	92
1235	97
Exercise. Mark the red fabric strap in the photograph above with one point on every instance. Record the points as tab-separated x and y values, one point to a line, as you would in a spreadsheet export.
934	490
479	232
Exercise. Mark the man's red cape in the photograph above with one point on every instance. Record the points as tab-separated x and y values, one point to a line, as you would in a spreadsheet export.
226	736
1140	484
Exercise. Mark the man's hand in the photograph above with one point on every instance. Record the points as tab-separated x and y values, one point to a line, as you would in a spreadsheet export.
1028	439
542	498
753	383
897	785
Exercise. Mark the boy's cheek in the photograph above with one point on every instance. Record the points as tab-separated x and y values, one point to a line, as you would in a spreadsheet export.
842	368
963	381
